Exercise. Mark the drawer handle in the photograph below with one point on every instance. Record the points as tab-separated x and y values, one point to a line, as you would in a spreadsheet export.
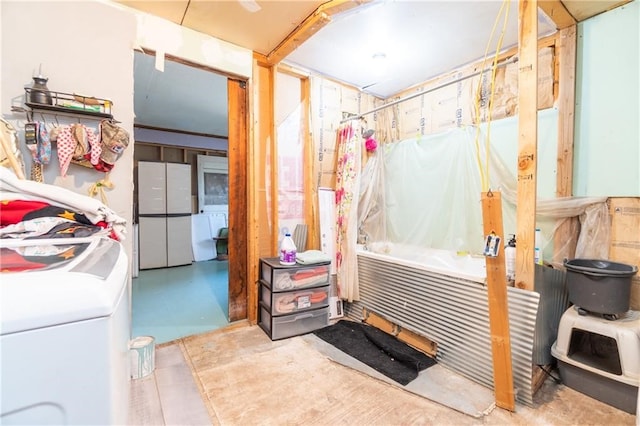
299	317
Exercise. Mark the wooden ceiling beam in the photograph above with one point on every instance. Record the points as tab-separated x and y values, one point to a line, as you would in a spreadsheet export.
582	10
311	25
557	12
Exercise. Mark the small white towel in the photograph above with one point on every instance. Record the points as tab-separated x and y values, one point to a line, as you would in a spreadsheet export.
311	257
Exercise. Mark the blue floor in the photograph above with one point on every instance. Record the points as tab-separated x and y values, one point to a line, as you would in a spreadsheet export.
171	303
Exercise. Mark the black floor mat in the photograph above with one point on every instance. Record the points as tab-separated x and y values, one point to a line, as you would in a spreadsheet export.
379	350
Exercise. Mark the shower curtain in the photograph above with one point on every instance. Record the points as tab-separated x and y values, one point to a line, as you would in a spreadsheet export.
371	207
372	221
349	144
429	189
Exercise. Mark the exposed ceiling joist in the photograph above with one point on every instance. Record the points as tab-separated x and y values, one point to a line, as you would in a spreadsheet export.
311	25
581	9
556	11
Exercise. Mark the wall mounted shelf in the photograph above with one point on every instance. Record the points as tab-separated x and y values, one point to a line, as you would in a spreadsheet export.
69	104
55	109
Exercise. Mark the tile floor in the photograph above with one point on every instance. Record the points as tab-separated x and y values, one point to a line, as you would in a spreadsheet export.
171	303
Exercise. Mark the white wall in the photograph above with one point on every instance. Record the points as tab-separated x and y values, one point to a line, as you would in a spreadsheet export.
87	47
91	55
607	145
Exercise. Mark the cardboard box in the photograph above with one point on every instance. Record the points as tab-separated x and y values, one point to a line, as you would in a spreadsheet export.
625	239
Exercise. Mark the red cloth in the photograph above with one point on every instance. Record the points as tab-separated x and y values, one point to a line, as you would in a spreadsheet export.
16	211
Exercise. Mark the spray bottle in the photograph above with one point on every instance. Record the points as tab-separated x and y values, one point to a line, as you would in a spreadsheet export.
510	255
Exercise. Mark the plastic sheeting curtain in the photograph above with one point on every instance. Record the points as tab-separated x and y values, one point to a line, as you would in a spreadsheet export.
349	143
433	192
431	198
371	207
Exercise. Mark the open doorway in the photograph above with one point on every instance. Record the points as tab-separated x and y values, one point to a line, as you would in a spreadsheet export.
181	117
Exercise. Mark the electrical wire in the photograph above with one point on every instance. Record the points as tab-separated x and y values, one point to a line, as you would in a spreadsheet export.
484	170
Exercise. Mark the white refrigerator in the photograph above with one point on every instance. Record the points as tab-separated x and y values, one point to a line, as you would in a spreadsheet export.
164	214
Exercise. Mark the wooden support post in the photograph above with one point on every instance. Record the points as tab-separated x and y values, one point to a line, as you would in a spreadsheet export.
527	142
498	306
273	148
238	216
566	53
310	189
262	132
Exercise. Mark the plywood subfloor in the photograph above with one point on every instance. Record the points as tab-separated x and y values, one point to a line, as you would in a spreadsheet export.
244	378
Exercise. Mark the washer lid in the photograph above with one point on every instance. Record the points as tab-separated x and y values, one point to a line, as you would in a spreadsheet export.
58	281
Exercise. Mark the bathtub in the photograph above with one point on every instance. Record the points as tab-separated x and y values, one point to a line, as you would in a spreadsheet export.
443	296
461	265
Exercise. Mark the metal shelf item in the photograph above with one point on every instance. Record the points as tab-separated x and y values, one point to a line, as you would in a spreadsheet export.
72	104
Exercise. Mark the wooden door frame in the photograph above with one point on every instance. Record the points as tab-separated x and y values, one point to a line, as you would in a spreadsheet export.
237	153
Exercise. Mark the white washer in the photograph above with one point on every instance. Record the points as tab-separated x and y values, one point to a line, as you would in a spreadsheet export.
66	325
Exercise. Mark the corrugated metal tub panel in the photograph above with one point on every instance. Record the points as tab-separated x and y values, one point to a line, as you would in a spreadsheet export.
454	313
551	284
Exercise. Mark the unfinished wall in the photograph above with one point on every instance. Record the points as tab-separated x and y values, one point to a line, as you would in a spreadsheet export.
466	102
289	106
329	102
76	59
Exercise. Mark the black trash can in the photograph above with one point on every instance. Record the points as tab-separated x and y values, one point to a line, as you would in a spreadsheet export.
599	286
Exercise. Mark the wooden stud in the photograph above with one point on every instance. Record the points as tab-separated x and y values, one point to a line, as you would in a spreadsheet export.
527	142
263	126
273	147
253	195
311	214
412	339
566	54
239	258
498	305
538	377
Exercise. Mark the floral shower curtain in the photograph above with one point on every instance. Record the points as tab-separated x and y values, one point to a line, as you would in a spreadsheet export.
349	144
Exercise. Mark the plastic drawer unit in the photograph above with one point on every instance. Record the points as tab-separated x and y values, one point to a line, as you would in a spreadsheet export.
285	278
294	324
294	300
